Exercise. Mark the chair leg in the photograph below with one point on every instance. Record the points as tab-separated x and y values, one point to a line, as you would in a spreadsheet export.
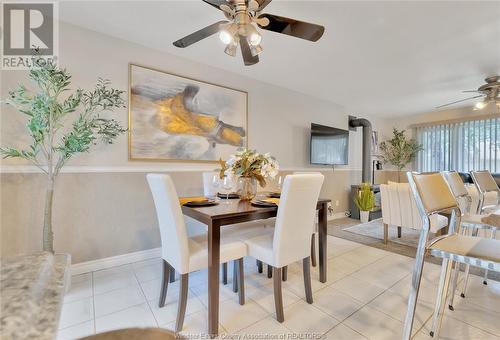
278	295
235	276
269	272
241	281
466	280
444	282
313	250
172	274
284	273
164	284
386	233
399	232
474	233
454	282
183	295
415	283
224	273
306	267
485	278
259	266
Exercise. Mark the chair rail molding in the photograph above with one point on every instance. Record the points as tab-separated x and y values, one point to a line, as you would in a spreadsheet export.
28	169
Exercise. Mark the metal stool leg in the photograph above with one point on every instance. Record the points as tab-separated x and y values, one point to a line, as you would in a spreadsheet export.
444	282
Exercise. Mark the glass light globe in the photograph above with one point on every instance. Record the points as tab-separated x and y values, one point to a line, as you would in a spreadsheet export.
225	37
480	105
254	38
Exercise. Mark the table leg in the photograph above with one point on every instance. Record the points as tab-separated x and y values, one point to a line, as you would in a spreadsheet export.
323	232
213	277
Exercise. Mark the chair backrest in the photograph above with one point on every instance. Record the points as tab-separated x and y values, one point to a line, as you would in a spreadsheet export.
296	211
208	185
432	192
432	195
459	190
174	239
398	206
485	183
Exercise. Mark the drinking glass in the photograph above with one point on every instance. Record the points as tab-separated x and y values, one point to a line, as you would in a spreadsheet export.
227	184
280	183
216	184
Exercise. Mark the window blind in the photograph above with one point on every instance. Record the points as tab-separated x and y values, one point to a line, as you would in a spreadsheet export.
462	146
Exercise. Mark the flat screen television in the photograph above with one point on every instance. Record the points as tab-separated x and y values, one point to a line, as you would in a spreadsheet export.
329	145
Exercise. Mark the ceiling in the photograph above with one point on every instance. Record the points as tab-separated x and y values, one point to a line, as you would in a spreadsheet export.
388	59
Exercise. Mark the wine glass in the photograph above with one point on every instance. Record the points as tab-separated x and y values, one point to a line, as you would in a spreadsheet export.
216	184
227	184
280	183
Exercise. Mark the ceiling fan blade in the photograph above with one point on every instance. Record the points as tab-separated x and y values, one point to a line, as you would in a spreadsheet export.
248	58
295	28
262	4
459	101
199	35
215	3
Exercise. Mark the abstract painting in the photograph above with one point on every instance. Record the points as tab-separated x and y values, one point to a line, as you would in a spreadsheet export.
181	119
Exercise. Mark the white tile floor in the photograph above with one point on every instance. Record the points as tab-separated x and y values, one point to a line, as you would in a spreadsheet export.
364	298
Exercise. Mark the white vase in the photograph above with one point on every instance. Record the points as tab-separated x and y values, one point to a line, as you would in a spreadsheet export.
364	216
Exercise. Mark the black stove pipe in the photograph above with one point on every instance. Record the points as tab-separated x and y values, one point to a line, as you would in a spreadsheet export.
367	145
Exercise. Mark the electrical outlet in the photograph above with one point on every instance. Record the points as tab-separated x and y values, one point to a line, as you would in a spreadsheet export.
337	203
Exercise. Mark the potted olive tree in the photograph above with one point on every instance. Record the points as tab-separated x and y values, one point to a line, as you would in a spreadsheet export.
399	151
55	140
365	201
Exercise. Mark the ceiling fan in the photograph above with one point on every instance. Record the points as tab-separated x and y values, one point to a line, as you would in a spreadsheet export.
240	28
489	91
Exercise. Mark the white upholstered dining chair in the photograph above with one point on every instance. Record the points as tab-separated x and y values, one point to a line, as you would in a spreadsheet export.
290	240
400	209
182	253
433	195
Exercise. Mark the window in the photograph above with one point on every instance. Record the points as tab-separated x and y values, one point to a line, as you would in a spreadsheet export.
462	146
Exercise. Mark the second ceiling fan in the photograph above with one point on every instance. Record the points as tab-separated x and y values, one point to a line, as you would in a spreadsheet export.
244	17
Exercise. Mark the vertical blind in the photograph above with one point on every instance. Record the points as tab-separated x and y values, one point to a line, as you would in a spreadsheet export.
462	146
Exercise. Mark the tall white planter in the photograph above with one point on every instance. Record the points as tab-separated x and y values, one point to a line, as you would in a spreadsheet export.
364	216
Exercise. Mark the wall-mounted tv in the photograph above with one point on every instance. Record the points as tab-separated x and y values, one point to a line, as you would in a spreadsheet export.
329	145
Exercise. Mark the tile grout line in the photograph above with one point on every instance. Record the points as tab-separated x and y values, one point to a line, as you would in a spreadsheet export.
145	298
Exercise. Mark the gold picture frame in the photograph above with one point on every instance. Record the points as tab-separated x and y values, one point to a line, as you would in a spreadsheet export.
172	118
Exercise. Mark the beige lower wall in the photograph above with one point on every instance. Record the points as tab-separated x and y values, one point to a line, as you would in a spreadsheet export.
98	215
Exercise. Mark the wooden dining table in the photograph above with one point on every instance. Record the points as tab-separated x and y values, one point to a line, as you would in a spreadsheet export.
234	211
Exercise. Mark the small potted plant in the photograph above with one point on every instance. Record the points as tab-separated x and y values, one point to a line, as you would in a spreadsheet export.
365	201
250	167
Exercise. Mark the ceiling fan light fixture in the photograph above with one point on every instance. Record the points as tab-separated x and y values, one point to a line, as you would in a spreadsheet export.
226	37
480	105
227	33
255	50
231	48
254	38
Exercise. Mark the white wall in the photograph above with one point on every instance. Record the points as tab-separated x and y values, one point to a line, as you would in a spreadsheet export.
278	118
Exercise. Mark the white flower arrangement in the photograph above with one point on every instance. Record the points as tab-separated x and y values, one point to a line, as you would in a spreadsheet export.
250	163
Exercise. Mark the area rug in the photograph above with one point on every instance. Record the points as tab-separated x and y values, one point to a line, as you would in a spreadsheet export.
375	229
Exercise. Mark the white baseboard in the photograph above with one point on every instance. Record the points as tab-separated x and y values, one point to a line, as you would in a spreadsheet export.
119	260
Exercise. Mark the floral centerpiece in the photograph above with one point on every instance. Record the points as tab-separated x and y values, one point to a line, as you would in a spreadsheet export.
250	167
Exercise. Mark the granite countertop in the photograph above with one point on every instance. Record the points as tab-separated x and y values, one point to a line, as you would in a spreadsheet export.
32	291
